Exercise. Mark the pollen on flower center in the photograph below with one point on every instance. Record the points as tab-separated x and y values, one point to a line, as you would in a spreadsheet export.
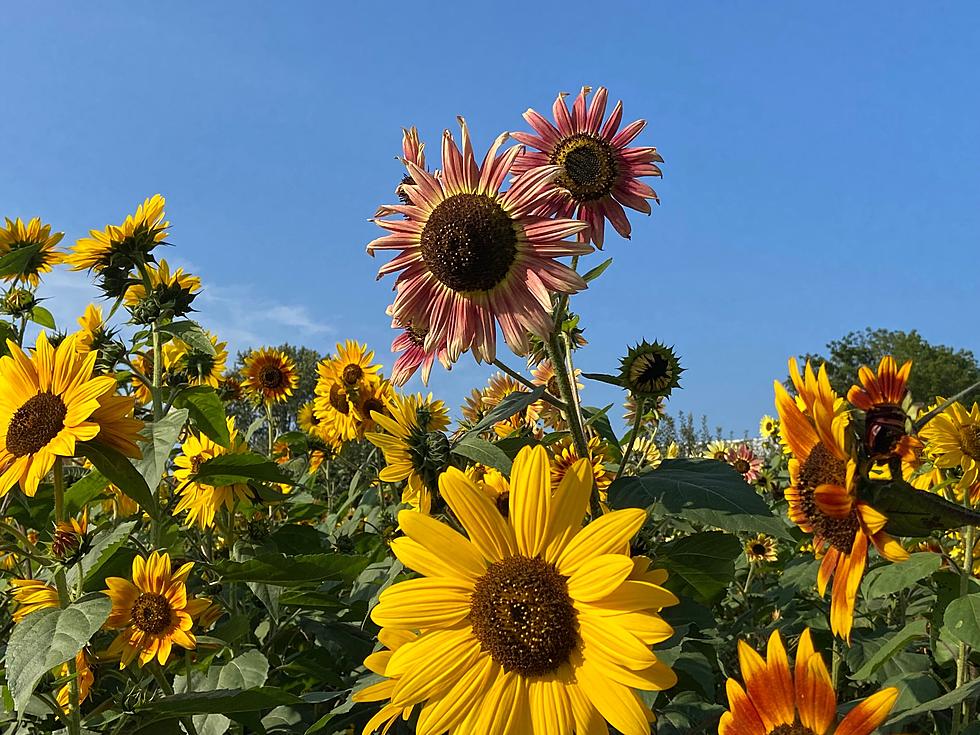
523	616
469	242
796	729
823	468
338	398
352	373
271	377
970	440
151	612
588	166
35	423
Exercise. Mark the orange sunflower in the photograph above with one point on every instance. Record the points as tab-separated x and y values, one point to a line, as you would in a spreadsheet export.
881	396
822	498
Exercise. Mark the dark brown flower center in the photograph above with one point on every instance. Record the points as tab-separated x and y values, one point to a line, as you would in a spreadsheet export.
741	466
884	428
523	616
588	164
272	377
650	372
823	468
35	423
469	242
759	549
196	461
352	373
151	612
795	729
970	440
372	404
338	398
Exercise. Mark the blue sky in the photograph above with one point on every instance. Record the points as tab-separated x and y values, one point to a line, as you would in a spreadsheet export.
821	175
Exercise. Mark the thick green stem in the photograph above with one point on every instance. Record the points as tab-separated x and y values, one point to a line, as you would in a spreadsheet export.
961	715
748	580
64	597
835	664
640	406
270	427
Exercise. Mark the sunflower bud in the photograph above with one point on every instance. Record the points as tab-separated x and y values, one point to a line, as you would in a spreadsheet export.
18	302
650	370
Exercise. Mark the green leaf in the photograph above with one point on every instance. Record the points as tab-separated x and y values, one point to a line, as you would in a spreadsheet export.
103	547
121	473
245	672
700	565
206	411
40	315
915	629
888	579
191	334
913	512
84	492
159	438
221	701
944	702
700	490
511	404
962	619
605	378
47	638
14	262
480	450
597	271
292	571
230	469
598	419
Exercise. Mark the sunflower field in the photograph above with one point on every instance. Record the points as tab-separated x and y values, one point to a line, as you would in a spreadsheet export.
381	562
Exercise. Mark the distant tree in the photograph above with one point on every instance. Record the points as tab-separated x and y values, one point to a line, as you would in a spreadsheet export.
937	370
691	436
284	413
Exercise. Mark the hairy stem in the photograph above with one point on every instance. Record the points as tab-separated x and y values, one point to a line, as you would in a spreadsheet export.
640	406
64	597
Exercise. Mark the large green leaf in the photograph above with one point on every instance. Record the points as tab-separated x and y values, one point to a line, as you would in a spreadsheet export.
103	547
14	262
886	580
913	512
159	438
962	620
191	334
912	631
944	702
84	492
700	565
292	571
245	672
121	473
511	404
703	491
47	638
221	701
230	469
480	450
206	411
42	317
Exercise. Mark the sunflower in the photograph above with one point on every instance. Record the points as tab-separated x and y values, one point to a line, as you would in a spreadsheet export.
650	370
200	500
564	456
122	247
93	333
345	384
653	410
17	236
85	680
471	255
822	498
47	404
415	446
352	364
194	366
153	612
118	428
69	537
745	462
599	173
499	387
170	294
761	548
544	374
768	427
778	700
372	397
32	595
307	421
953	440
411	344
884	398
492	483
533	623
269	375
716	449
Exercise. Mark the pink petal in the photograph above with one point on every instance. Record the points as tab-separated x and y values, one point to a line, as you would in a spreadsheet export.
544	128
612	124
626	135
562	119
596	110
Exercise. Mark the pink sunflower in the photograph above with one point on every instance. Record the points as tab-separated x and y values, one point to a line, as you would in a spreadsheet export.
745	462
472	255
599	173
411	343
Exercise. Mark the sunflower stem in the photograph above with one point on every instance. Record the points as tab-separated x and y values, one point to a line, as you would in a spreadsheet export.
961	715
835	664
748	580
547	397
638	419
64	597
270	427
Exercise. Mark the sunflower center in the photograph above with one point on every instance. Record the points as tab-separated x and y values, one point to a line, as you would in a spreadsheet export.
151	612
373	404
588	166
741	466
823	468
352	373
338	398
469	242
271	377
35	423
523	616
884	428
795	729
970	440
759	549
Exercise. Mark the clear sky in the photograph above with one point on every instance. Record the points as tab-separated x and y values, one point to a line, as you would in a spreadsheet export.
821	175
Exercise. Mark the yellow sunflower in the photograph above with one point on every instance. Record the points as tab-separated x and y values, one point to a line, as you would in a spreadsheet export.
170	293
779	700
85	680
822	498
48	403
307	421
564	455
17	235
122	246
196	367
372	397
153	611
768	427
491	483
32	595
415	448
533	623
200	500
953	440
544	374
93	331
68	536
716	449
269	375
761	548
352	364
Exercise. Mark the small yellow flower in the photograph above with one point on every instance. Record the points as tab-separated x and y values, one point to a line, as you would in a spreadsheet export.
85	680
768	426
17	235
32	595
762	548
270	375
122	246
200	500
